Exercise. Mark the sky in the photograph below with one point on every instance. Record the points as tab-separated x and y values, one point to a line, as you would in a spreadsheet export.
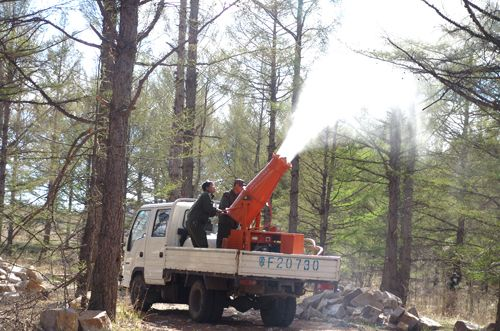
342	83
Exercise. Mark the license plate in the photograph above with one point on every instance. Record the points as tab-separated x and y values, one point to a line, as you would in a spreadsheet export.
288	263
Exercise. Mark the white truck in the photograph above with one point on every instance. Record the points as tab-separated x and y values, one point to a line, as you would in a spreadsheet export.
159	266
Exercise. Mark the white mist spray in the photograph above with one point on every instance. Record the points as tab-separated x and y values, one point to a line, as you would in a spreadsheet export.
335	91
343	83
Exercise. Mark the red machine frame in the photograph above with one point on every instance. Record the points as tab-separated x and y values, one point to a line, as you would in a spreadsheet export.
246	211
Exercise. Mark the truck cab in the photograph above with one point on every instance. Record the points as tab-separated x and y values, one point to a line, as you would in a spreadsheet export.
154	227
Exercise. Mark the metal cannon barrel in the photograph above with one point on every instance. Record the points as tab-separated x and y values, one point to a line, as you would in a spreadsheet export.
258	191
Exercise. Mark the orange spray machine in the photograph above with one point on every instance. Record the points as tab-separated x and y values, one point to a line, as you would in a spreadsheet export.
246	210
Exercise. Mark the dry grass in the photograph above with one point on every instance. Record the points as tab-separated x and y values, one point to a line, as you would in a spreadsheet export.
472	305
127	318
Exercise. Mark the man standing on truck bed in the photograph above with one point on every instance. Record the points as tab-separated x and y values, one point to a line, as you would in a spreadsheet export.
226	223
198	215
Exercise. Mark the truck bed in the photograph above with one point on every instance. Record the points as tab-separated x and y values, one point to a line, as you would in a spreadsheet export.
232	262
293	266
211	260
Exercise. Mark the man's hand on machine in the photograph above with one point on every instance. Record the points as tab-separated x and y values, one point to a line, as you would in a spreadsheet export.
221	211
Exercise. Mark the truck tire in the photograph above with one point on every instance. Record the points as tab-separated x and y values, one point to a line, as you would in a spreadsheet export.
205	305
278	311
141	296
218	305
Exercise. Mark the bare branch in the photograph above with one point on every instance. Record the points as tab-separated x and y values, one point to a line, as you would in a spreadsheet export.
226	58
158	12
456	24
481	28
40	103
274	17
72	37
156	64
145	77
50	101
210	21
472	96
75	147
482	11
79	141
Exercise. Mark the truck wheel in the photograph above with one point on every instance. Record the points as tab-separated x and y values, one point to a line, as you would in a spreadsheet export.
141	296
205	305
278	311
218	305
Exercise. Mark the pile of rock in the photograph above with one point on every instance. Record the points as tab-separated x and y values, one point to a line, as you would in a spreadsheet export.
363	305
16	281
470	326
68	319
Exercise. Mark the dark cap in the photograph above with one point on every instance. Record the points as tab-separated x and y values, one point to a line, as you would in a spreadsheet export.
239	181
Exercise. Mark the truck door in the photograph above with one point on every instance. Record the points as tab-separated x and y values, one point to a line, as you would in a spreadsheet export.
136	244
155	247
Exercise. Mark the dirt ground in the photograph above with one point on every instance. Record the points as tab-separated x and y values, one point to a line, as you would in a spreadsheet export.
176	317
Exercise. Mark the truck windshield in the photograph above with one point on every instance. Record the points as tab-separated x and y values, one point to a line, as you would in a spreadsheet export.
138	228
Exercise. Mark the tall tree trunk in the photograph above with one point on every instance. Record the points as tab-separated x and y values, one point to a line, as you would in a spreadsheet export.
7	76
140	178
463	173
107	266
273	90
191	86
13	183
175	154
87	252
390	279
13	192
497	321
293	217
323	228
199	149
53	168
407	209
329	161
273	107
54	157
258	142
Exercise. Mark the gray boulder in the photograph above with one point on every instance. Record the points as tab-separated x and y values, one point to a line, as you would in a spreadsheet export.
396	315
465	326
370	314
59	320
337	311
410	320
366	299
312	300
351	295
94	320
430	324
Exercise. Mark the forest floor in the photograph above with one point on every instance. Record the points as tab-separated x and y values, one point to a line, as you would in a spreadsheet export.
176	317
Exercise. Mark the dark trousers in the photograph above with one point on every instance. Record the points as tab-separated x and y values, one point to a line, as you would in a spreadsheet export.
225	226
197	234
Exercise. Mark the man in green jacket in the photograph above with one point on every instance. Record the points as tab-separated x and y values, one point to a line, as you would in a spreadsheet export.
198	215
226	223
